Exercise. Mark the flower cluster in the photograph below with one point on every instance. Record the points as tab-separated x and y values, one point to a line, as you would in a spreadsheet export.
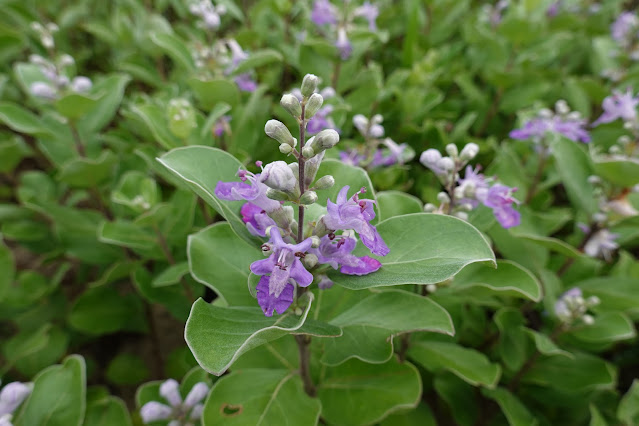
464	194
180	413
222	58
58	79
210	15
11	396
572	307
377	150
568	123
300	252
620	106
341	21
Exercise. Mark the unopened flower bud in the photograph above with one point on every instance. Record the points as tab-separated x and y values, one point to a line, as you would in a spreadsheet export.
310	260
593	301
574	115
81	84
588	319
291	104
308	152
309	197
309	84
461	215
313	105
286	148
430	207
198	393
42	90
277	130
325	182
315	241
443	198
324	140
561	106
469	152
295	168
278	175
451	149
170	390
431	288
430	157
276	195
446	163
459	192
545	113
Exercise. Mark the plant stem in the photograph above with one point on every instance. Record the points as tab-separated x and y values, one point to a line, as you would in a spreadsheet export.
169	257
303	344
405	342
301	162
514	382
78	141
532	191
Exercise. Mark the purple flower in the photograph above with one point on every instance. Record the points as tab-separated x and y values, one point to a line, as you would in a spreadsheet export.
321	120
255	192
623	27
618	105
282	266
370	12
221	125
323	13
473	183
537	128
369	128
353	213
256	219
237	53
343	44
336	252
602	244
324	282
499	198
562	310
553	9
269	302
395	154
245	82
154	411
351	157
572	129
533	129
12	396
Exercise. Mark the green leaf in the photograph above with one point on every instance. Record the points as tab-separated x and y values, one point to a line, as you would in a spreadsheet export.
584	372
421	416
56	345
357	393
26	343
596	419
88	172
108	411
175	48
622	172
127	369
276	397
129	234
75	105
615	293
468	364
58	396
217	336
516	413
424	249
512	339
257	59
396	203
211	92
553	244
12	151
545	345
628	410
201	168
7	269
509	278
102	114
21	120
171	275
368	326
574	168
218	245
102	310
156	121
607	328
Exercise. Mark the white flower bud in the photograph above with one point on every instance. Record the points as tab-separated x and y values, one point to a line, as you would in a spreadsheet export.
443	198
462	215
431	288
469	152
295	168
430	157
276	195
286	148
561	106
574	116
451	149
309	85
430	207
593	301
459	192
277	175
42	90
198	393
291	104
588	319
66	60
324	140
545	113
308	152
153	411
624	140
446	163
316	241
277	130
310	260
81	84
170	390
313	105
325	182
309	197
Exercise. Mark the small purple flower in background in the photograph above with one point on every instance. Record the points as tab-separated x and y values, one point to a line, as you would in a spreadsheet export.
244	81
281	267
321	120
554	8
324	13
353	213
499	199
336	252
11	396
369	128
619	105
495	12
186	412
343	44
209	13
351	157
602	245
221	126
567	123
623	27
369	12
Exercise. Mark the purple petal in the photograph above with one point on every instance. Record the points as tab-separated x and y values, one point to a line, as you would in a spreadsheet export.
269	302
224	190
366	266
153	411
300	274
